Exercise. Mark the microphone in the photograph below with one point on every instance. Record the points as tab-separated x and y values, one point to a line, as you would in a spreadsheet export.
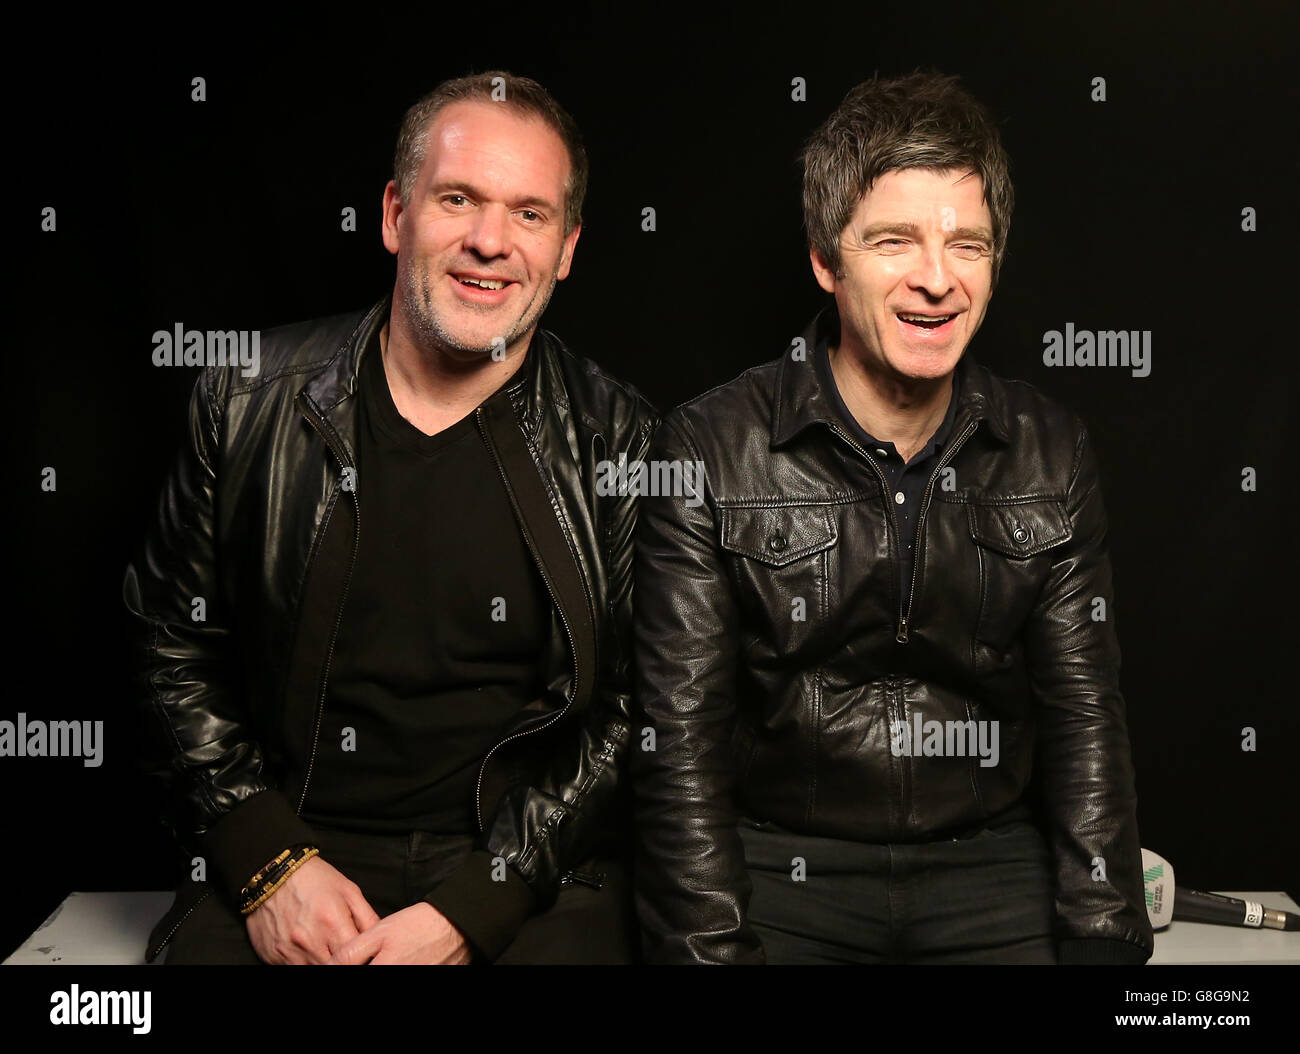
1166	902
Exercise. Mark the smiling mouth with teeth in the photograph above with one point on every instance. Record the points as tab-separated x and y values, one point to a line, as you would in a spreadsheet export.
482	283
925	321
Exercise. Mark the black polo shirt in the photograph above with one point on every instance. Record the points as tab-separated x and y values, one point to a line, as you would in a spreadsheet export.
907	481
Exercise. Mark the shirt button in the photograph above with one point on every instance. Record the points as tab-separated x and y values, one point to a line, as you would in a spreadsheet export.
898	498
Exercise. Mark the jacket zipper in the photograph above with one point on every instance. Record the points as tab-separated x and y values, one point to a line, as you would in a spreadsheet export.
338	619
584	878
180	922
564	620
905	790
905	614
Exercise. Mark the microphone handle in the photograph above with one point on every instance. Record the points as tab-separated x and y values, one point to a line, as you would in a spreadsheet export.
1213	907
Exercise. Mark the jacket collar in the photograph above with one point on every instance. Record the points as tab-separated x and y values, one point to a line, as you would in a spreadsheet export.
335	384
800	402
337	381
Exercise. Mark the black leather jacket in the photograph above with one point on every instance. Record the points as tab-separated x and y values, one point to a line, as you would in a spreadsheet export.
257	519
758	713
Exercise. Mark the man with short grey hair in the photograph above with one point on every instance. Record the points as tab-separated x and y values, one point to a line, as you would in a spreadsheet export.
884	709
395	733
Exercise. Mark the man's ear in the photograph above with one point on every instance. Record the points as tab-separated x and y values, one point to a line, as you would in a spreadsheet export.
824	274
391	218
566	254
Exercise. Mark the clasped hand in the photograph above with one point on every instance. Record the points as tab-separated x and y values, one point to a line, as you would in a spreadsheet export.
319	916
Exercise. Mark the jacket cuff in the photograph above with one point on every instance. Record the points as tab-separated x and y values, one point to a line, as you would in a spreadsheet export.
487	913
1074	951
257	830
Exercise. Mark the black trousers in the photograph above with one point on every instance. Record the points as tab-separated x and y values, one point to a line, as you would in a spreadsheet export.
987	898
584	925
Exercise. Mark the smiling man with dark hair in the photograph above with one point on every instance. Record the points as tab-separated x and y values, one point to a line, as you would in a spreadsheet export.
396	735
885	715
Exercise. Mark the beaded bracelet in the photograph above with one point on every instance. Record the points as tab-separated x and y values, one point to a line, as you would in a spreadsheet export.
279	871
254	882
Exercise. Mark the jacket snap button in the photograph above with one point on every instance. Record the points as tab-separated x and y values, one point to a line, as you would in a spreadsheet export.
777	543
1020	534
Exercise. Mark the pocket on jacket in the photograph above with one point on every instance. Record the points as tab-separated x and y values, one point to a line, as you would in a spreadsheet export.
1014	542
779	565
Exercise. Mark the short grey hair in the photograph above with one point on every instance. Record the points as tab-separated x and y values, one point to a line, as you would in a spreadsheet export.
523	95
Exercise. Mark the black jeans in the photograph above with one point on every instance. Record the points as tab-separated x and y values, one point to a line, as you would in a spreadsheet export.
584	925
987	898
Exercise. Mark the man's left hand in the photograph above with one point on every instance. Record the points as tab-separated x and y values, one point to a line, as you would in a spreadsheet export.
418	935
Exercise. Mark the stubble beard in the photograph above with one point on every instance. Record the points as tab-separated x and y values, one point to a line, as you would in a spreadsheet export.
432	335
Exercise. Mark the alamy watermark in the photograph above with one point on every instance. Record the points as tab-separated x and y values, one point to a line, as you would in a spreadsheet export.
675	479
1104	347
53	739
945	739
209	347
75	1007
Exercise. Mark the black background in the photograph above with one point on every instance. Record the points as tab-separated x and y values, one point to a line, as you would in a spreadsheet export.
226	214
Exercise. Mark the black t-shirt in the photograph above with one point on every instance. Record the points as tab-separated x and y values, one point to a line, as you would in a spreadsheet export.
443	628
